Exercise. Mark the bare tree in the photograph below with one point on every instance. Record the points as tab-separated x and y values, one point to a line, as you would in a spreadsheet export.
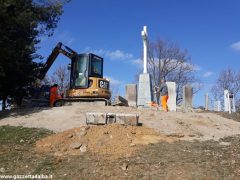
168	61
46	80
228	79
61	77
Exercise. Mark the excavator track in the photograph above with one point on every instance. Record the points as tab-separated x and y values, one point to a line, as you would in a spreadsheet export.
62	102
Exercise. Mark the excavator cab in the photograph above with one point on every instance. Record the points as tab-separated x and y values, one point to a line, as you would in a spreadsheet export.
84	66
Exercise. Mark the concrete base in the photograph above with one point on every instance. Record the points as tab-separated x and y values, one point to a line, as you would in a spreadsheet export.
144	90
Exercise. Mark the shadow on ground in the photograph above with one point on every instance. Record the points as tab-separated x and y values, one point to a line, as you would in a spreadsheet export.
21	112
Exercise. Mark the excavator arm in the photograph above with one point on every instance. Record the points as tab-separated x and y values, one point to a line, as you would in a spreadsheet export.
59	48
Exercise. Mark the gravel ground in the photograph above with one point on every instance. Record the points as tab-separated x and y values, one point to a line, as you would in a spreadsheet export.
187	126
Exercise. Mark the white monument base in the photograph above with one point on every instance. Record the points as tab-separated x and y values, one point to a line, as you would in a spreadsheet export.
144	90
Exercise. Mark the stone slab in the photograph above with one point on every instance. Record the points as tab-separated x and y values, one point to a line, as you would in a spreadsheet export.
131	94
96	118
144	90
127	119
172	104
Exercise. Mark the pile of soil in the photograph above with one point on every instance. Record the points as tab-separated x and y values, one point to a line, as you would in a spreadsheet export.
112	141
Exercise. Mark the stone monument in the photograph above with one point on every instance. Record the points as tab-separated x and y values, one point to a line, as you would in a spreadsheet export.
217	106
226	101
206	102
131	94
144	86
172	96
229	102
187	97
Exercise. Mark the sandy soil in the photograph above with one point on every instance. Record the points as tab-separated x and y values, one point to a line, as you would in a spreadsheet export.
185	126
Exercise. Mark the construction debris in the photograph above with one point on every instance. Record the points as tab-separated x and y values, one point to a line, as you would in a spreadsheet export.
120	101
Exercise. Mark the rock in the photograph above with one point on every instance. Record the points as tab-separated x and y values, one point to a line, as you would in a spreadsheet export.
124	166
133	132
75	145
87	127
81	133
132	145
70	136
2	170
83	148
21	140
225	143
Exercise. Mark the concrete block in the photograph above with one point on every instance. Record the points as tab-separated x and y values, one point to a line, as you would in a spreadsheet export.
171	96
111	118
187	97
131	94
127	119
96	118
144	90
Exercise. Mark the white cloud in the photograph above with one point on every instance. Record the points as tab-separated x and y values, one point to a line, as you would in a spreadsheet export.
113	81
196	67
137	62
65	37
113	55
236	46
207	74
118	54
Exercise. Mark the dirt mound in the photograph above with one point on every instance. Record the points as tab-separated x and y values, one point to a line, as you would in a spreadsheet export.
110	140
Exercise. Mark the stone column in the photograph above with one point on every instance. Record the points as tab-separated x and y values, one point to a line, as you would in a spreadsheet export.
171	96
206	102
145	48
131	94
187	97
217	106
144	86
226	101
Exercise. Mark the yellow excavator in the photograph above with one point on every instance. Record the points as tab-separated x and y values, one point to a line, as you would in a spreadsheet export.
86	76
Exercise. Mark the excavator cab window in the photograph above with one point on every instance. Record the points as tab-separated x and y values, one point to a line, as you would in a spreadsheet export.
79	76
96	65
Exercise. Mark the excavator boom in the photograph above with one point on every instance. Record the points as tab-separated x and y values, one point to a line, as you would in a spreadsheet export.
59	48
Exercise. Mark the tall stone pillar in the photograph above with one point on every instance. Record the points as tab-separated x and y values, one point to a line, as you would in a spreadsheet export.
171	96
226	101
206	102
131	94
217	106
187	97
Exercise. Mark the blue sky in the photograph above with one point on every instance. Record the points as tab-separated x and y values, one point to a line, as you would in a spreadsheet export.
209	30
